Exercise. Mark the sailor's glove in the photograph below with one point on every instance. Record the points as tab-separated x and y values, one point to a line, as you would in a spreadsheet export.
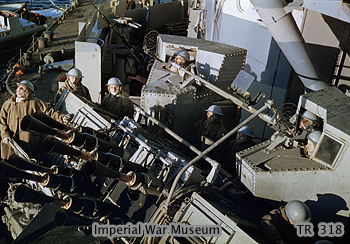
6	139
67	118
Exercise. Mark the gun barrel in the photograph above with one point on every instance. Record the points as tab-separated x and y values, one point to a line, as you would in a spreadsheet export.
95	168
24	165
26	194
50	121
30	123
52	145
90	142
9	171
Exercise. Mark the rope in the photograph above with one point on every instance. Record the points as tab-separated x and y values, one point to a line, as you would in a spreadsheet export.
54	4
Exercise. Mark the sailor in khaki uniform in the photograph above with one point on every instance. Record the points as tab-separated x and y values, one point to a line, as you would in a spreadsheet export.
73	84
13	110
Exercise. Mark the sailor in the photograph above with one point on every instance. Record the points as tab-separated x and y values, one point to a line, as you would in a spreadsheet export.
278	225
182	58
73	84
309	120
116	101
13	110
209	130
244	139
312	140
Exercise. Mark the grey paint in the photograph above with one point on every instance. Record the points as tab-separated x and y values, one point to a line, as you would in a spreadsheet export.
283	28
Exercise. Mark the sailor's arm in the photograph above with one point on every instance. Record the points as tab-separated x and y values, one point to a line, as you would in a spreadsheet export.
268	226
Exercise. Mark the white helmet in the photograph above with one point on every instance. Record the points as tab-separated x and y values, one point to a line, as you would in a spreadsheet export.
309	116
215	109
75	73
298	211
114	81
27	83
314	136
183	54
246	130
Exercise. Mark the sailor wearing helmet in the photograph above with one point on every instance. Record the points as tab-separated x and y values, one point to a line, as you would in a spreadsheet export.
73	84
116	101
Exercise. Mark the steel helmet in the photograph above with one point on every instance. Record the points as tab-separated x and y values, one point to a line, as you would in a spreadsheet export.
183	54
246	130
309	116
114	81
323	242
27	83
314	136
215	109
75	73
298	211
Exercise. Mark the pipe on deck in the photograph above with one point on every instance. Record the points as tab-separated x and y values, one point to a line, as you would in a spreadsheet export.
285	31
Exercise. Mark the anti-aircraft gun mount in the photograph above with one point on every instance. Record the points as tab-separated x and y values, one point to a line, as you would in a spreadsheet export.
290	176
278	163
148	177
157	169
184	94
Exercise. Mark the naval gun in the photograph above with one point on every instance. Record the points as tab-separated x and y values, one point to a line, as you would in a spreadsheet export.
278	163
63	183
171	175
183	95
321	178
73	137
86	207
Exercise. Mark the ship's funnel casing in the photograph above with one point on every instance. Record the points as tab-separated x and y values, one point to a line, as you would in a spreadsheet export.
219	63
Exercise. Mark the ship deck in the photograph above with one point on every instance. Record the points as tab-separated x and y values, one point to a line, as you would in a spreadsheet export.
65	34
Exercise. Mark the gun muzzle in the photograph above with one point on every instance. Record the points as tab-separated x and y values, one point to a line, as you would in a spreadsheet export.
145	184
92	208
25	194
71	185
29	123
9	171
54	146
95	168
